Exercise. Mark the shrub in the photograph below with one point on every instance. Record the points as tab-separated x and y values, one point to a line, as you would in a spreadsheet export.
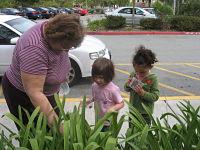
78	134
115	22
185	23
97	25
162	9
151	23
190	8
184	135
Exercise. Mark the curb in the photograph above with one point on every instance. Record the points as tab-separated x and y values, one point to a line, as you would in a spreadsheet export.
142	33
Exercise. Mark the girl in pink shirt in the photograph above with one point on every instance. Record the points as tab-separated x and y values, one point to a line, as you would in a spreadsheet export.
104	92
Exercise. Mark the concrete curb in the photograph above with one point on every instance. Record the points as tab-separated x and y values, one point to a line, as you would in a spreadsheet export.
142	33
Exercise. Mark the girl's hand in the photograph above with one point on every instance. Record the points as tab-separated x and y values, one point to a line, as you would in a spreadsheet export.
110	110
139	90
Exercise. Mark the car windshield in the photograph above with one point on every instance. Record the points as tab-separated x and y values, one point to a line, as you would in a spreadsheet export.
21	24
30	9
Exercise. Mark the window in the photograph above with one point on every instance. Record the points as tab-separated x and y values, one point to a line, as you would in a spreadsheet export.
21	24
138	12
126	11
6	35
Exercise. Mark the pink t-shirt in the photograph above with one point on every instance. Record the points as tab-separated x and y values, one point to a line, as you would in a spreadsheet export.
106	96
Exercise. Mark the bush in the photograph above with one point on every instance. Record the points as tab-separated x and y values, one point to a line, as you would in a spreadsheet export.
190	8
115	22
97	25
185	23
77	135
183	135
151	23
162	9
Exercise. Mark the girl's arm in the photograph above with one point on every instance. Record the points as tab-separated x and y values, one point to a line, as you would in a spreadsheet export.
127	88
153	94
116	107
87	102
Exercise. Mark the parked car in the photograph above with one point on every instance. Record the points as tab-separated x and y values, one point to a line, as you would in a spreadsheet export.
30	13
11	11
126	12
44	12
80	11
54	11
66	10
150	10
82	58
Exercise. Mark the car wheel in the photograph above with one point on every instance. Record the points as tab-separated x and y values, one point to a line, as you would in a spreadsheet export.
75	73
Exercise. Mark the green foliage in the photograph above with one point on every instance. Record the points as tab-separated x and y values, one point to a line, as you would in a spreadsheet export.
77	135
185	134
97	25
162	9
190	8
185	23
152	23
115	22
7	3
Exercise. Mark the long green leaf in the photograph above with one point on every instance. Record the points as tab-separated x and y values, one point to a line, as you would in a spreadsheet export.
111	143
66	135
34	144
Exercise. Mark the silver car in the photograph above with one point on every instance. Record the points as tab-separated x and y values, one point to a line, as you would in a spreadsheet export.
126	12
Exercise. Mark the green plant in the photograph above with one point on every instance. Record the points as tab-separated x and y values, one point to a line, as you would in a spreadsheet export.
162	9
115	22
152	23
97	25
185	23
78	134
185	134
190	8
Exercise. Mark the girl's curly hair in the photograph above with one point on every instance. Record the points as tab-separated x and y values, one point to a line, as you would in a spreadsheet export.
65	28
144	56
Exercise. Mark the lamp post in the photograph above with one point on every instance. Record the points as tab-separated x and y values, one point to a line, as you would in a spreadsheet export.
174	7
133	12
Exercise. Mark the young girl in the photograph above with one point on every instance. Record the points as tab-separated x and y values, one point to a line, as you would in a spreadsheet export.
104	92
142	84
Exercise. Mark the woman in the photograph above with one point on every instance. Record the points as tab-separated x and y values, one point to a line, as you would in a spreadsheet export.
40	64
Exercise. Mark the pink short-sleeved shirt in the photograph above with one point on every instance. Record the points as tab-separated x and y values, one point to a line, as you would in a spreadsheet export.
106	96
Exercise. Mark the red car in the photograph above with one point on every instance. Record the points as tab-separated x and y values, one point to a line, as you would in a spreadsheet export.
81	11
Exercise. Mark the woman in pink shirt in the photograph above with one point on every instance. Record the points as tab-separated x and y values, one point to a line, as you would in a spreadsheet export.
40	64
104	92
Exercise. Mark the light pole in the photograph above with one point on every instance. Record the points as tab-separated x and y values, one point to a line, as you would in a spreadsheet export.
174	7
133	12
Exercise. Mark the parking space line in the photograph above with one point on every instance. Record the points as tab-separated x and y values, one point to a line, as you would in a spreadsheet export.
160	64
177	73
161	84
188	64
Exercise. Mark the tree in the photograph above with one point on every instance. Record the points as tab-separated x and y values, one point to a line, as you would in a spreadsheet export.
26	2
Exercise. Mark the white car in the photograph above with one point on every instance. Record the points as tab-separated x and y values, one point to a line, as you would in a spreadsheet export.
82	58
126	12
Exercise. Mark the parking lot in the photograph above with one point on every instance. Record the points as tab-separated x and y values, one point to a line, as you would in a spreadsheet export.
178	68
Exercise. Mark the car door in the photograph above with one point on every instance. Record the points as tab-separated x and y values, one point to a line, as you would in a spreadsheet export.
139	14
126	13
6	48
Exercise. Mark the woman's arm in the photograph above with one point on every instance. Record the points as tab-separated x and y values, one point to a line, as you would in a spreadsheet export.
33	85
